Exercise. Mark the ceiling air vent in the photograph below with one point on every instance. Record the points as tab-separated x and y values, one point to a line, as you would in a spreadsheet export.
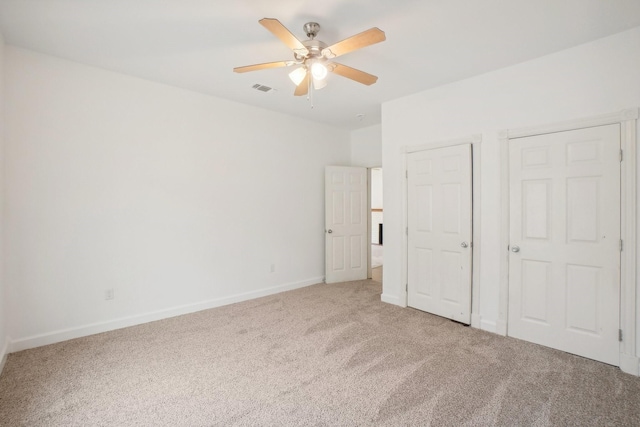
263	88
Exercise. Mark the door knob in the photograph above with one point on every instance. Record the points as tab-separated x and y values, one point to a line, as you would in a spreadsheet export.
329	231
515	249
464	244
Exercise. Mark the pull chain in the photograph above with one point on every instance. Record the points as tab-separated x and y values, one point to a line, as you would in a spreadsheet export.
310	92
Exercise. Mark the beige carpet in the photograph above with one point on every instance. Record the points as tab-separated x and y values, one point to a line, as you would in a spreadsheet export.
330	355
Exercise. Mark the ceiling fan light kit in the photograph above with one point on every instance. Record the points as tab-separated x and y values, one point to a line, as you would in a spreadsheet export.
318	70
297	75
315	57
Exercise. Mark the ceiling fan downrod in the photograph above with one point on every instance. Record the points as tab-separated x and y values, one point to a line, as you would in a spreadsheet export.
311	29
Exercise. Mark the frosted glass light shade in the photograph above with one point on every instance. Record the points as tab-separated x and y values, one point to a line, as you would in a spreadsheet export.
297	75
319	71
319	84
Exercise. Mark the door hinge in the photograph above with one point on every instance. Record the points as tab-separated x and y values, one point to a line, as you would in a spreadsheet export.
620	335
406	287
406	174
621	157
620	245
406	231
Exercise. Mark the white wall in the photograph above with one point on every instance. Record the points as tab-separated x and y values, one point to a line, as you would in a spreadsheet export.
4	305
175	200
377	201
593	79
366	147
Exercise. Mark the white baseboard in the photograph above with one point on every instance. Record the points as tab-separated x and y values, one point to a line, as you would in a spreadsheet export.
391	299
488	325
495	326
4	353
124	322
501	327
476	321
630	364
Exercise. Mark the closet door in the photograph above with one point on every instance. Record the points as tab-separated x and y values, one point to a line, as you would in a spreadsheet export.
439	231
564	262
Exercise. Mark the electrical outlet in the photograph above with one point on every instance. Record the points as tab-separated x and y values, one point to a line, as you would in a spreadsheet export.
273	268
108	294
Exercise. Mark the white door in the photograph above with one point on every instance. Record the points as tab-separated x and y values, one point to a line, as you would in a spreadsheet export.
564	262
439	233
346	225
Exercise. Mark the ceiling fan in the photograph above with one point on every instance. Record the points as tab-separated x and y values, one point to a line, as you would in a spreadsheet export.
315	57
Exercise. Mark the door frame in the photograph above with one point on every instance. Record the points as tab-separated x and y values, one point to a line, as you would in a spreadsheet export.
627	119
475	141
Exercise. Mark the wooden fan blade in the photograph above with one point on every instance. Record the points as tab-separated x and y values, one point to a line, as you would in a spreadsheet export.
353	74
366	38
281	32
303	87
263	66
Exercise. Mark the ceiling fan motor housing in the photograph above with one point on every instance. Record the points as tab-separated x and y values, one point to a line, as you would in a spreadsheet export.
314	47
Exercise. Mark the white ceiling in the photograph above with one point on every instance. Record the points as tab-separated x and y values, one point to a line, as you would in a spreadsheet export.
195	44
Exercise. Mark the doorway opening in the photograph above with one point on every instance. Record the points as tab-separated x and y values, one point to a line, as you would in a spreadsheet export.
376	259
